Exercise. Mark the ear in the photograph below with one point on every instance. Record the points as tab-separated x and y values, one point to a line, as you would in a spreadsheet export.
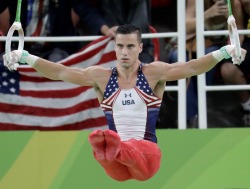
141	47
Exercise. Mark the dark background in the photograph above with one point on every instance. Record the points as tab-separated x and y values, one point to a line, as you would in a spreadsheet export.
223	107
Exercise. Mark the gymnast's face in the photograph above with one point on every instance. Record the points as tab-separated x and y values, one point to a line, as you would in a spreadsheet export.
127	49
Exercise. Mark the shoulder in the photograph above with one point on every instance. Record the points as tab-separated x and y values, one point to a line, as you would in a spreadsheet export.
155	66
100	75
154	75
156	70
99	71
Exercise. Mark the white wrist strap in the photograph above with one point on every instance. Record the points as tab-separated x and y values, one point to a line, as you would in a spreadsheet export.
28	58
31	60
217	55
222	53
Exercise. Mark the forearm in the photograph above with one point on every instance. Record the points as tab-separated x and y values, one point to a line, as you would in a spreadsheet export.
202	65
191	23
46	68
210	60
105	30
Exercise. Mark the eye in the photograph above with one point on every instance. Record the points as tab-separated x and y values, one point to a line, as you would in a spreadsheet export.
119	46
130	46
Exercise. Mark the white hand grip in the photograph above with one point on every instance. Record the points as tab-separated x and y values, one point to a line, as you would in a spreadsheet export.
234	36
15	26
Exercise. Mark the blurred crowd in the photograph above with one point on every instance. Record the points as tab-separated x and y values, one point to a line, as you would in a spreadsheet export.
101	17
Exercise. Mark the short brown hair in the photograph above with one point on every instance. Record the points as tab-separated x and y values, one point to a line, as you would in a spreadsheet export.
128	29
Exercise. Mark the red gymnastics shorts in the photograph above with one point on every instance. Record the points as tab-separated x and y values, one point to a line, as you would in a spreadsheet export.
124	160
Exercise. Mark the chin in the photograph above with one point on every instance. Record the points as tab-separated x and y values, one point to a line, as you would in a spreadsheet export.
125	65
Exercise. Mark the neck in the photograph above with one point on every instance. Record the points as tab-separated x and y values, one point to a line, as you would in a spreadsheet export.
128	73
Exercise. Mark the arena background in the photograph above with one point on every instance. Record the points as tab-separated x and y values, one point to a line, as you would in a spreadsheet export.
223	107
215	158
192	159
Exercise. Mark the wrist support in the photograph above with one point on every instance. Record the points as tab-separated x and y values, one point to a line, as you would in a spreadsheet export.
222	53
28	58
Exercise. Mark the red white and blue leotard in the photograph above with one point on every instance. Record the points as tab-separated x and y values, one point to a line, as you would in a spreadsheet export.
132	113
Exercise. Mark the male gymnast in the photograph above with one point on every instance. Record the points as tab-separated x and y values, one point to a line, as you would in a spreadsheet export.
130	95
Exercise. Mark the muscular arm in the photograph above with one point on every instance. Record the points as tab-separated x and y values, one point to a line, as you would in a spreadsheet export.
181	70
94	76
161	71
55	71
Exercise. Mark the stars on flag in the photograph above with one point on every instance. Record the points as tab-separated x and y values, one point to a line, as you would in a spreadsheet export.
9	81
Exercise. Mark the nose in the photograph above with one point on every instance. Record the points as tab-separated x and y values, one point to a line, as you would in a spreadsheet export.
124	51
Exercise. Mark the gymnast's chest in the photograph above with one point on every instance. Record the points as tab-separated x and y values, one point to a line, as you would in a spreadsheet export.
129	100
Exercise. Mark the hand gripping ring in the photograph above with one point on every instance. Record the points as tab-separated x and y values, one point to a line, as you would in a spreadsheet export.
234	36
15	26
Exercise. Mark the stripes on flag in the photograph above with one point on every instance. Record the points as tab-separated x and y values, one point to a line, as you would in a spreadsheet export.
29	101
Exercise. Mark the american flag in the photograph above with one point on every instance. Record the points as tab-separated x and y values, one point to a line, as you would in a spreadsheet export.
29	101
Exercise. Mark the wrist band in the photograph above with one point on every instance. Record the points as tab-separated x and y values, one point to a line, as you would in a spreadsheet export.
31	60
28	58
217	55
224	52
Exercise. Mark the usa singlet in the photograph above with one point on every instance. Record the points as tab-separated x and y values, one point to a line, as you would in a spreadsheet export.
132	113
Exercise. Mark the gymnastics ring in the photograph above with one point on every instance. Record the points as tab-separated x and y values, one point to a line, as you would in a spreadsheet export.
233	34
15	26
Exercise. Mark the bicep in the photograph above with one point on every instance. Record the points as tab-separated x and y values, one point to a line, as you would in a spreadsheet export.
83	77
169	72
175	71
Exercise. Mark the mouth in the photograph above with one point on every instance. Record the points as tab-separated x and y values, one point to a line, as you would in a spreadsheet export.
125	59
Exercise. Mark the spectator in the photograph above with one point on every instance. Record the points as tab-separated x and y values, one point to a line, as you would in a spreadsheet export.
52	18
131	12
4	26
215	18
239	75
118	12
